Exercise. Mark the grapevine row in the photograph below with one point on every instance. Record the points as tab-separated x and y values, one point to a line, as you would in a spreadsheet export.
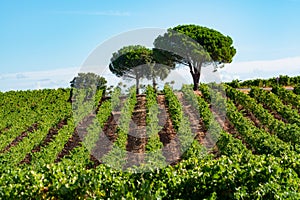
49	153
274	103
37	103
227	144
81	153
287	96
117	156
261	141
286	132
180	123
154	145
56	112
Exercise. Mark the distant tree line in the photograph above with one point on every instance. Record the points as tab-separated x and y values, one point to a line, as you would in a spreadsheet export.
282	80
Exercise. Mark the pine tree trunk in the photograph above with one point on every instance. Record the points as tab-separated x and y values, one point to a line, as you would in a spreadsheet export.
154	84
195	72
196	79
137	83
71	95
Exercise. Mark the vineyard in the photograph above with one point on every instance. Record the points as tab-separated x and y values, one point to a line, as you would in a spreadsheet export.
219	143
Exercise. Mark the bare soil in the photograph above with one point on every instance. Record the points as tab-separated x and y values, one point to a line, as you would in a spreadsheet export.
106	137
275	114
73	142
49	138
18	139
206	139
168	136
196	123
137	138
229	128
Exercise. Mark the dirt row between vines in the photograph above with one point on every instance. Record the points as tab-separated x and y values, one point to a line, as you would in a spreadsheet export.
228	127
137	138
275	114
168	136
196	123
256	122
82	130
49	138
19	138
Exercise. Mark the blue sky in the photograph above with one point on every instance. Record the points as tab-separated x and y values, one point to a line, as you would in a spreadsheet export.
38	38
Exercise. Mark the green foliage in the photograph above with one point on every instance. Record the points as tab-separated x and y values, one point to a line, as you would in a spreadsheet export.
277	127
174	106
272	102
116	158
297	89
288	97
49	109
282	80
49	153
127	59
254	164
115	100
260	140
85	101
154	146
95	128
195	47
235	177
211	125
181	125
88	80
235	83
215	43
137	62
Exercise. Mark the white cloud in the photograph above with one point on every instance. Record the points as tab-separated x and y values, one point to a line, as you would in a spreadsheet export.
20	76
261	69
237	70
38	79
245	70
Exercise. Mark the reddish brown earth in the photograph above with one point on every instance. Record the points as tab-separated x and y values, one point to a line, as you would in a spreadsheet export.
247	90
256	121
206	139
73	142
49	138
168	136
137	137
229	128
253	119
275	113
106	137
108	134
18	139
249	115
196	123
78	135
